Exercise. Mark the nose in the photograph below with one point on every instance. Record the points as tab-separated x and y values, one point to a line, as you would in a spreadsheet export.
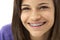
35	15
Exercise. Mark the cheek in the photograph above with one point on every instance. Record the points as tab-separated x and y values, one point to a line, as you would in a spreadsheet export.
24	17
48	15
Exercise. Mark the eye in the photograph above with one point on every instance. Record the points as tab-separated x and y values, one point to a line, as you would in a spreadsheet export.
43	7
26	8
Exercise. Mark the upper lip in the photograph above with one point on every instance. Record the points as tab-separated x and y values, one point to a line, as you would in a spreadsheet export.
35	22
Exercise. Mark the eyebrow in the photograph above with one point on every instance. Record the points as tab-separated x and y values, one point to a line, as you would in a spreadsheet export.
25	5
42	3
38	4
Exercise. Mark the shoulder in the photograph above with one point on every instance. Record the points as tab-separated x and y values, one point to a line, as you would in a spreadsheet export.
6	32
6	28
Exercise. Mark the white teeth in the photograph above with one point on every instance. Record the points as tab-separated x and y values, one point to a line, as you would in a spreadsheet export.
37	24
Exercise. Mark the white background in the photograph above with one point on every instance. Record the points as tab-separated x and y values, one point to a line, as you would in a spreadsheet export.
6	11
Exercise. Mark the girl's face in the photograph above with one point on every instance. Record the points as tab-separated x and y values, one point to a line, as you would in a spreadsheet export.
37	16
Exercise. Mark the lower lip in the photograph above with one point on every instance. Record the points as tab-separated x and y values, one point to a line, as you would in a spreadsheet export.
35	26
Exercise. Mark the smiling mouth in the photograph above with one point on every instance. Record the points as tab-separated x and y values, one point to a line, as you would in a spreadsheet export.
37	24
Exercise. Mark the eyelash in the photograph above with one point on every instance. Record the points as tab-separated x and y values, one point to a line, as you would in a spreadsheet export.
26	8
43	7
40	8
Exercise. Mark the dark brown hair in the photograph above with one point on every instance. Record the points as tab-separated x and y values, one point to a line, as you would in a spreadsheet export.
20	33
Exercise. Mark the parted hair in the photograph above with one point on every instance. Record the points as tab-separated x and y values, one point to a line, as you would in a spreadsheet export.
20	32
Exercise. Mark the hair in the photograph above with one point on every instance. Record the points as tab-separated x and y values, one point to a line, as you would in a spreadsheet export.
20	32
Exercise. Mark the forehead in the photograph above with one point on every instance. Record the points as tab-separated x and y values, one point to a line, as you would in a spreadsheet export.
36	1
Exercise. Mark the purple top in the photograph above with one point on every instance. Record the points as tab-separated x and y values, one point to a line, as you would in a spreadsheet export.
6	33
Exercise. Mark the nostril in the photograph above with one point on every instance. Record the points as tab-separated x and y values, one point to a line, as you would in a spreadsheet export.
36	18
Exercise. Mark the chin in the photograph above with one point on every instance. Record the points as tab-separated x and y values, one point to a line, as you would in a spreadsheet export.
37	34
